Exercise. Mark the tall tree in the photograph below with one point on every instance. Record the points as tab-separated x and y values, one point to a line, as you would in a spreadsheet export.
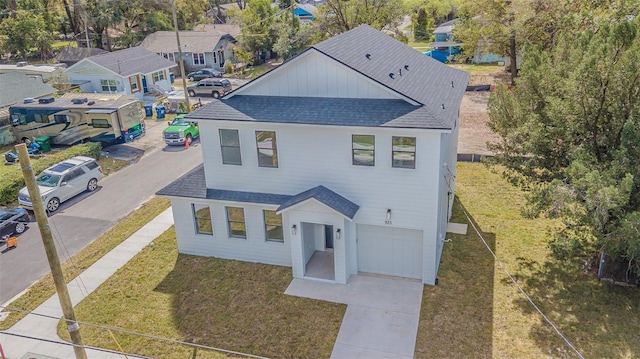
343	15
257	35
570	136
23	32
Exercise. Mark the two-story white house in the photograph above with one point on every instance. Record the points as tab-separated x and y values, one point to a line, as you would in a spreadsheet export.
340	161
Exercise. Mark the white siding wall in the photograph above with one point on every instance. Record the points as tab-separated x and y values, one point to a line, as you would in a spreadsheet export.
315	75
253	249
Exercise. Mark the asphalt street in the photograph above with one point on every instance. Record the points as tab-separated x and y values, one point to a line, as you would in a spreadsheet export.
81	220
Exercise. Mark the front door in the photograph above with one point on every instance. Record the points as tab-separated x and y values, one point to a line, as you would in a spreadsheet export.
144	84
328	236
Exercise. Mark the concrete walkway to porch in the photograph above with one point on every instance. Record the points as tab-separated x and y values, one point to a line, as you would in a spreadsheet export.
382	314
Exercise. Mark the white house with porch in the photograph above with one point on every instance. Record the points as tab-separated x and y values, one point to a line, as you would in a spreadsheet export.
340	161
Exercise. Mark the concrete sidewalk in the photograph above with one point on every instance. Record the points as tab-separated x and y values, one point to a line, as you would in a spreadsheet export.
34	326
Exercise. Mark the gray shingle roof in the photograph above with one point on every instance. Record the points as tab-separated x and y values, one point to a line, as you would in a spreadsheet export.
191	41
326	196
193	185
416	76
132	61
22	86
321	111
75	54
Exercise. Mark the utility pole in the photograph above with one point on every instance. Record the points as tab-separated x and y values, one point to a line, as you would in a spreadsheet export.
50	249
180	63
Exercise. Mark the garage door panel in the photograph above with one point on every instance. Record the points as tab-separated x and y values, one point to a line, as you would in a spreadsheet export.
390	251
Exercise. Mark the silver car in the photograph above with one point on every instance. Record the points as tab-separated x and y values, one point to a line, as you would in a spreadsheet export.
210	87
63	181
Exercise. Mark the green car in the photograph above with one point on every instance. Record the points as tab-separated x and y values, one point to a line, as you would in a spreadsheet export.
180	131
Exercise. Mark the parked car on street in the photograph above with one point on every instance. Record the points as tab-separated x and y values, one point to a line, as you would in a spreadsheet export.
203	74
180	131
214	87
13	220
63	181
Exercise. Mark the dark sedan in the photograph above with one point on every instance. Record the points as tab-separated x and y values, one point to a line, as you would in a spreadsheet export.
13	220
203	74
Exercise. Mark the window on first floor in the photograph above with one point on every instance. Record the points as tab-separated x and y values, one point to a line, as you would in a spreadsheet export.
133	82
230	147
198	58
404	152
363	150
108	85
235	219
202	218
267	149
158	76
273	226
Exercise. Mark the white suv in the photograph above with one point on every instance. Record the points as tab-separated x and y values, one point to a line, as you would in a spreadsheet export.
63	181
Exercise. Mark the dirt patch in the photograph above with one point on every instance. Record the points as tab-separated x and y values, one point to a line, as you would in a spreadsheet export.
474	132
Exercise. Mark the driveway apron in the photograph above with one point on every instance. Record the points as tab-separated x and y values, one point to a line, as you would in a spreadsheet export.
382	314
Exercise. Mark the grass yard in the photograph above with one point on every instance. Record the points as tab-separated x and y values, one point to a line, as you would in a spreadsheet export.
213	302
44	288
477	312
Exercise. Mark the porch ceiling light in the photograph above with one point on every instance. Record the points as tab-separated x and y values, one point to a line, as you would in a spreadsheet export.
294	230
388	214
338	232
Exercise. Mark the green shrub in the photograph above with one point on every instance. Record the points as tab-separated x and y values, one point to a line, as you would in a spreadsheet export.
11	183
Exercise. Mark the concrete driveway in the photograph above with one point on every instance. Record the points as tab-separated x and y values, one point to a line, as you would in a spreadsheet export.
382	314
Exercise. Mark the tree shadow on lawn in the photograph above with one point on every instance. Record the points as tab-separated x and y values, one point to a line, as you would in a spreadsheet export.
242	307
601	320
456	319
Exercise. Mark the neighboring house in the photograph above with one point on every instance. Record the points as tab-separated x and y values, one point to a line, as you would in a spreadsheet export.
21	86
133	71
44	72
200	49
342	160
70	55
444	47
305	12
107	37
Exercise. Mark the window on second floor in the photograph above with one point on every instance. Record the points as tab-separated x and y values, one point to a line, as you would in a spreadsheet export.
363	150
230	147
267	149
404	152
198	58
108	85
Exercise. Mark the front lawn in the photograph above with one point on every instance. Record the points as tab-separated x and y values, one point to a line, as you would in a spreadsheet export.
213	302
477	312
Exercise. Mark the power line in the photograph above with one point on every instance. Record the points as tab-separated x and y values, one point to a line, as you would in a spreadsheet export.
504	268
124	331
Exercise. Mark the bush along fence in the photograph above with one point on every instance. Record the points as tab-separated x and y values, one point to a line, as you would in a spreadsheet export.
13	181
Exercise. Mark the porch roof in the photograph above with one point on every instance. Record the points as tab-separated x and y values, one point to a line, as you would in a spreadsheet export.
325	196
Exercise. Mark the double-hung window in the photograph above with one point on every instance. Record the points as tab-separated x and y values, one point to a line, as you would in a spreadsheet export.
363	150
230	147
273	226
202	218
267	149
235	219
158	76
404	152
133	83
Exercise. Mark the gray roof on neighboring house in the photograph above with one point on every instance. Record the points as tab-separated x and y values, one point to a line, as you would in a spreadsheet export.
321	111
75	54
446	27
192	185
219	29
325	196
132	61
436	86
17	86
191	41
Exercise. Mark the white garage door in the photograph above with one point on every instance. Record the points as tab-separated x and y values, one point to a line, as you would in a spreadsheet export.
390	251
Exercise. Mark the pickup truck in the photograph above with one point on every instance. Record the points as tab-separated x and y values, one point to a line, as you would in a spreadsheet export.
180	131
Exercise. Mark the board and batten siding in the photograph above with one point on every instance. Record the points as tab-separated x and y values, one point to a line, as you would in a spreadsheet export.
255	248
315	75
309	156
